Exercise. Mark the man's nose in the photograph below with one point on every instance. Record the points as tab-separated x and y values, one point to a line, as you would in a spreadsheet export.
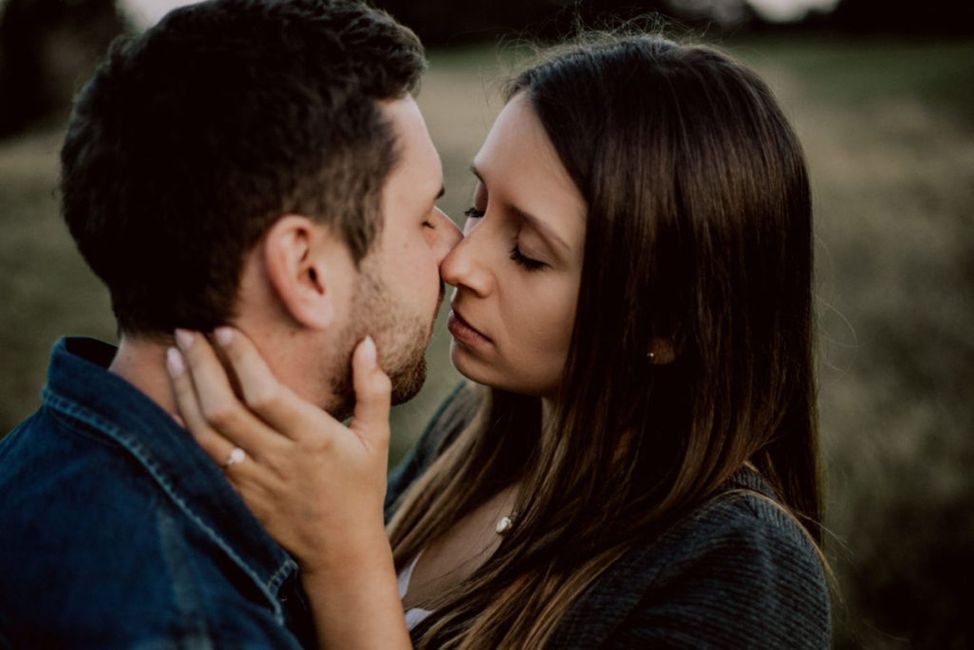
448	235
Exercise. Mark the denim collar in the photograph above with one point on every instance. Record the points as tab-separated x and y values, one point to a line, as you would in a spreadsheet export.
80	386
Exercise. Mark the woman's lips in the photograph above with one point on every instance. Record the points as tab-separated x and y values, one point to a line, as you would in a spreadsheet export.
464	331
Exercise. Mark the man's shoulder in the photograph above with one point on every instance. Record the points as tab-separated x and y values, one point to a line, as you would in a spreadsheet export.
49	459
70	527
78	521
95	554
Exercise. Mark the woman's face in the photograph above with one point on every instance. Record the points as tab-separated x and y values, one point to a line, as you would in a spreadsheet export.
518	268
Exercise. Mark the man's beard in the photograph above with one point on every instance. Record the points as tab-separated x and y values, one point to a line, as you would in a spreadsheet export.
401	340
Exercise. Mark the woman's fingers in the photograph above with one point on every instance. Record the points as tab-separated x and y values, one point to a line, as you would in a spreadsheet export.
274	402
215	445
216	403
373	392
319	482
259	488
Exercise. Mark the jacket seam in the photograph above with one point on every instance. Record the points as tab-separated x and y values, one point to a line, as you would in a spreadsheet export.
78	412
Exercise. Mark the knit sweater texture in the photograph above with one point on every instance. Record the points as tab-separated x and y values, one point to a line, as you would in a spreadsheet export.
737	572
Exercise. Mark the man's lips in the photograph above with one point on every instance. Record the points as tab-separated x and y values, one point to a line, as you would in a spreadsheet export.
463	330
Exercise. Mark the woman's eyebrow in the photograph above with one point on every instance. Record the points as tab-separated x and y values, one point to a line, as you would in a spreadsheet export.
439	195
545	230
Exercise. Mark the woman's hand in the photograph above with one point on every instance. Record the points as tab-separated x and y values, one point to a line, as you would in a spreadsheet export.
317	486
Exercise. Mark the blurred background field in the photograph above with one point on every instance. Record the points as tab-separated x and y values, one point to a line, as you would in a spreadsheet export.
888	126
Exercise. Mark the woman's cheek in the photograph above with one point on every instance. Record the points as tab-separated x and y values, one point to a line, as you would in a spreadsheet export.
544	327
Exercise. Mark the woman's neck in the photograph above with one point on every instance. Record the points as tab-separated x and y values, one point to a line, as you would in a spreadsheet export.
456	555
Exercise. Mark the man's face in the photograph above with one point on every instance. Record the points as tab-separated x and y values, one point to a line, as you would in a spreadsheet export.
399	289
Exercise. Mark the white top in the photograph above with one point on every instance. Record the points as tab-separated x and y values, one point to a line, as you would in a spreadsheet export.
416	615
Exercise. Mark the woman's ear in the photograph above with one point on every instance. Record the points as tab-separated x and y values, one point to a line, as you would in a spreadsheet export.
300	258
661	351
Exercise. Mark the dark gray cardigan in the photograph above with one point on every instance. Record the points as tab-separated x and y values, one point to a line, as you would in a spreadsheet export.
735	573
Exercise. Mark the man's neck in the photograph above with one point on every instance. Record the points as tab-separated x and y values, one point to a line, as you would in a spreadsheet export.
142	363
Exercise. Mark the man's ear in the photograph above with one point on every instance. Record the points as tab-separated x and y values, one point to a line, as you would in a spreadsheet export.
303	260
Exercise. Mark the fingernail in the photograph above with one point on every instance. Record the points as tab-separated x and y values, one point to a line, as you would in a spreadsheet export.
184	339
223	335
174	361
369	350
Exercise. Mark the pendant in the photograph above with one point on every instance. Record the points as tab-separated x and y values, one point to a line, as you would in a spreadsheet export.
504	524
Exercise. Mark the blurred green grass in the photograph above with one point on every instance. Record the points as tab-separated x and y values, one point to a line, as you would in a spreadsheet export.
888	128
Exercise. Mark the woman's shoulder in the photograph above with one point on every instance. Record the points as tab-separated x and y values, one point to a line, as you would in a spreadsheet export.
743	526
745	512
738	571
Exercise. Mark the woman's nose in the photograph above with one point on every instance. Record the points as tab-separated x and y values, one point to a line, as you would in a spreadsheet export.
462	267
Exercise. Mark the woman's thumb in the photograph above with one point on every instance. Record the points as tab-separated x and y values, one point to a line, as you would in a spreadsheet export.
373	392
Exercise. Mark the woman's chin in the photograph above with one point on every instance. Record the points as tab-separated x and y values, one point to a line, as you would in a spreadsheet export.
473	366
461	359
478	370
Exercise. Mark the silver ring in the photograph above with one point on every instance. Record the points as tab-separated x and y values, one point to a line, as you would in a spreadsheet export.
237	455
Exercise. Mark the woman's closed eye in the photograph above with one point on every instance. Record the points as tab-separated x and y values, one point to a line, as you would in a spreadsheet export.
529	264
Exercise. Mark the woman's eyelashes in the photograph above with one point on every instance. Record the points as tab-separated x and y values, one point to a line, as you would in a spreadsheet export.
529	264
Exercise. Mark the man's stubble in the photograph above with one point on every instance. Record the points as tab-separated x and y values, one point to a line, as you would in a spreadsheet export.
401	339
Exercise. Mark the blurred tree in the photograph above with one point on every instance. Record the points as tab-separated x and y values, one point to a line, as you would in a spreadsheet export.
722	13
946	17
445	22
47	48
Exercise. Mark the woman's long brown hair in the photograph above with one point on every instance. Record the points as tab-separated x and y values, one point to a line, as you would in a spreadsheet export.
699	232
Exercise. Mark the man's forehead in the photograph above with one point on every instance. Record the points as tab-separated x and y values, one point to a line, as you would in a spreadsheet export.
418	167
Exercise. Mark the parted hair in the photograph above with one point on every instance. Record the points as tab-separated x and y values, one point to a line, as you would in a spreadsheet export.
191	139
698	231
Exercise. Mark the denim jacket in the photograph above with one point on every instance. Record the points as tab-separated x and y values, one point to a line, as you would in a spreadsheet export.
118	531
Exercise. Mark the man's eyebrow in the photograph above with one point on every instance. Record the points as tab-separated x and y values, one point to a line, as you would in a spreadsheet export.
543	228
439	195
